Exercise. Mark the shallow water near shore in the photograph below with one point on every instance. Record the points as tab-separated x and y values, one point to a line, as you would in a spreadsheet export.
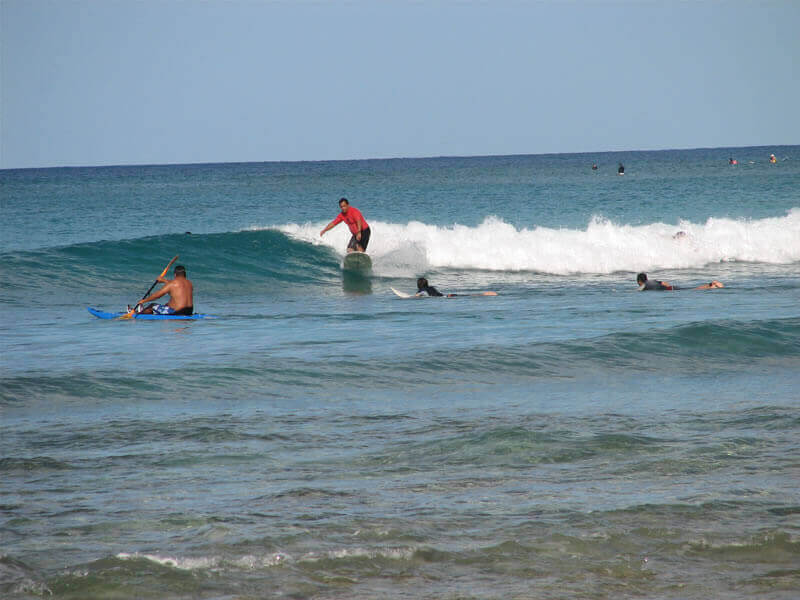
568	438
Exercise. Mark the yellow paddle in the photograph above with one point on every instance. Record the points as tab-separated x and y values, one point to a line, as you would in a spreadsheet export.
129	315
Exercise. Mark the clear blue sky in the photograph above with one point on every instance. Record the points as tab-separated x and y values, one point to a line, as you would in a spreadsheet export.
100	82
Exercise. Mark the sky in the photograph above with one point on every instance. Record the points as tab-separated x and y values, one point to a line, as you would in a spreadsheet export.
116	82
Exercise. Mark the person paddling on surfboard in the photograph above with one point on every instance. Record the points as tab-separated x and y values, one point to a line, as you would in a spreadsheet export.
180	292
357	224
425	289
646	284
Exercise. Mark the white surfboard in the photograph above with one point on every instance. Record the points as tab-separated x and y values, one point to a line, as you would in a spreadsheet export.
402	295
359	262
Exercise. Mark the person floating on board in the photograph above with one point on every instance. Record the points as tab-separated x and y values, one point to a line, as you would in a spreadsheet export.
733	161
180	292
357	224
621	169
425	289
772	158
646	284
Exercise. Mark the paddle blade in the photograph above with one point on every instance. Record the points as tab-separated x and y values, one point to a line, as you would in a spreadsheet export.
164	272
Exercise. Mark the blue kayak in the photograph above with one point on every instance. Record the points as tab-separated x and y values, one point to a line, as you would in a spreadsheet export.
107	315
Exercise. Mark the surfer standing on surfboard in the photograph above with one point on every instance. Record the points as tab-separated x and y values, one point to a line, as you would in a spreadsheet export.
180	292
357	224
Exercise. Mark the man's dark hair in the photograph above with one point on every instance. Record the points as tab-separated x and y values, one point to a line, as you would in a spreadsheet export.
180	270
641	278
422	283
343	200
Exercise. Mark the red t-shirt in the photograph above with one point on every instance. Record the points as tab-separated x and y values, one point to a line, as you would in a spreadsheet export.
351	218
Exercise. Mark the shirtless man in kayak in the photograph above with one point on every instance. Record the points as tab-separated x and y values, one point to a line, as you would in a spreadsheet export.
180	292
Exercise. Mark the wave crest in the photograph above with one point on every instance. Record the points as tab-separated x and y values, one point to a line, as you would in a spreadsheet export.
603	247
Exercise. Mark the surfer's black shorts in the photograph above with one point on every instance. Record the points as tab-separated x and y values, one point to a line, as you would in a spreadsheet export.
364	240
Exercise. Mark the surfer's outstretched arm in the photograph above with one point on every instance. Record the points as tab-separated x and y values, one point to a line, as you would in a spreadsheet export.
329	226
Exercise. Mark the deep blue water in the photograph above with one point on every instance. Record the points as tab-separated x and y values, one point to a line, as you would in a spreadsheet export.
570	437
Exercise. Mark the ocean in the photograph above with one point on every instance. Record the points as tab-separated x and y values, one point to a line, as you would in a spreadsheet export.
323	438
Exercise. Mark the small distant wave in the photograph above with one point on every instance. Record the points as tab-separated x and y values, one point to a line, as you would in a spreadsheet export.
249	562
187	564
723	346
39	463
514	447
603	247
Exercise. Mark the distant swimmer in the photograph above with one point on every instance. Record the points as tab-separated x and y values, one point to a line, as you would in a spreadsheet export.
646	284
180	292
357	224
733	161
621	169
679	235
594	166
772	158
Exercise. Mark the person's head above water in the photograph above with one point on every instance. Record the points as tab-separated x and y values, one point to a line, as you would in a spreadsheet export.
641	278
343	204
422	283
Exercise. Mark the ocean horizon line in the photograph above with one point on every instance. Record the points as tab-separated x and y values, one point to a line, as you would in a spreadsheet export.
387	158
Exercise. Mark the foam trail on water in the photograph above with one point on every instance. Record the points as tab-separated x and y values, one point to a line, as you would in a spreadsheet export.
603	247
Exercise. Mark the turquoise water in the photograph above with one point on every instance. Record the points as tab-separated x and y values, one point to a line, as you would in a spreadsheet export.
568	438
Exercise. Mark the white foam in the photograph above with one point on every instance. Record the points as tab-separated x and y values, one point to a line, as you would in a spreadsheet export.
248	562
602	247
186	564
255	562
390	553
